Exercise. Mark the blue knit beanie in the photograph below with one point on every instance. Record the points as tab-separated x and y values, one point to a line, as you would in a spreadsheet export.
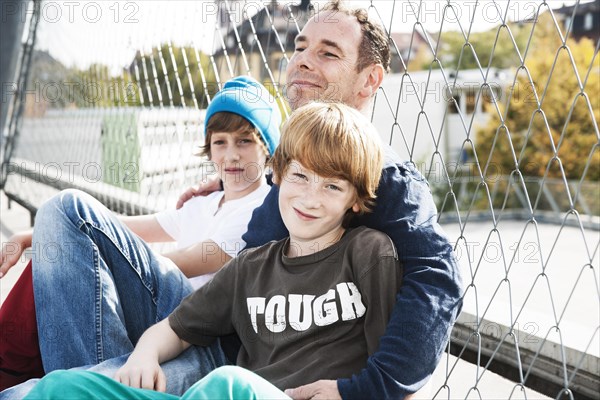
248	98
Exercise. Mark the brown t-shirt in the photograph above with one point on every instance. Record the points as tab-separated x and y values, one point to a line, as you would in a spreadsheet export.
299	319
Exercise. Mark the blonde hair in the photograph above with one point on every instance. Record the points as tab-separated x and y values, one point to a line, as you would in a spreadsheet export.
224	121
333	140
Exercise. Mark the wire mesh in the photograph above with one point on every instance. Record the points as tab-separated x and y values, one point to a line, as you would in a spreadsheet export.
496	102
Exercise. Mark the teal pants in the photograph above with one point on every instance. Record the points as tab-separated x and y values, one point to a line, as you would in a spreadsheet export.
228	382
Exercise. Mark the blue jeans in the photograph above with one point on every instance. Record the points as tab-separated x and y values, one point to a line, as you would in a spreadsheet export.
98	287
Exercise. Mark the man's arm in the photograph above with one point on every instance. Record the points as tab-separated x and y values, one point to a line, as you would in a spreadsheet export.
430	296
320	390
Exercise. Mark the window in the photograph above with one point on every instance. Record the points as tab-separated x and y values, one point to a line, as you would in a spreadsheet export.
471	102
230	42
588	21
567	23
454	106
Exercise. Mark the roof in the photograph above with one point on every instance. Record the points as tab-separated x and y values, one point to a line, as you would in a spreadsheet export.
582	8
403	40
278	16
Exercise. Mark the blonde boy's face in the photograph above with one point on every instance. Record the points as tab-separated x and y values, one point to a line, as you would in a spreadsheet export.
313	207
240	162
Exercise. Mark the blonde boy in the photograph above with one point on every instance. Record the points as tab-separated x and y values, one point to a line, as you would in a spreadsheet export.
309	307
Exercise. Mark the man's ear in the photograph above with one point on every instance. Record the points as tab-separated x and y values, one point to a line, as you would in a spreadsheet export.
374	76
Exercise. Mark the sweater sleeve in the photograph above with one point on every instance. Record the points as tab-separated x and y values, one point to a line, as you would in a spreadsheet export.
430	296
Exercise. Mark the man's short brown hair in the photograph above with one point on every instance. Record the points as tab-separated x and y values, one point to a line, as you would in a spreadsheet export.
374	47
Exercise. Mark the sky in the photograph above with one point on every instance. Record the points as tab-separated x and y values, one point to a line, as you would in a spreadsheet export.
110	31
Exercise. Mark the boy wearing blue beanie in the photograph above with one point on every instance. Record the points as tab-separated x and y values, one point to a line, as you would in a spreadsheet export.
125	288
240	134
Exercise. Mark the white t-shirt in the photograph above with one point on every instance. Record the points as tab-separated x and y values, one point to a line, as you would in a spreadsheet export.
200	219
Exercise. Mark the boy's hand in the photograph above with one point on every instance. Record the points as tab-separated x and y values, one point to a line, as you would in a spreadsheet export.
11	251
212	184
142	370
323	389
144	373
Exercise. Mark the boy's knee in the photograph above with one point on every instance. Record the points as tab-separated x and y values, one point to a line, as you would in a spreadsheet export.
55	381
226	376
71	196
225	372
69	384
50	212
239	382
58	374
231	375
58	200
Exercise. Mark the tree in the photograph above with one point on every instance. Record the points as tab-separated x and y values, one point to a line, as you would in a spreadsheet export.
95	86
170	72
537	120
481	44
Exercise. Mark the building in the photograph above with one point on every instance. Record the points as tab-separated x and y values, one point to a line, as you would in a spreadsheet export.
584	18
250	36
406	47
427	113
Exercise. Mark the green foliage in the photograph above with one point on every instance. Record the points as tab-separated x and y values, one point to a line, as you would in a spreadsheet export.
458	53
160	66
95	87
163	79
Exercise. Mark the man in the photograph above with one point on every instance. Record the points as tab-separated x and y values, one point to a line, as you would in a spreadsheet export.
341	55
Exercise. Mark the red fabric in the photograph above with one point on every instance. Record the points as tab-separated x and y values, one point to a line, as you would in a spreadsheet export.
20	357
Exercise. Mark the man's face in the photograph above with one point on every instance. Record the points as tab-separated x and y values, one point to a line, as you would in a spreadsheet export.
323	66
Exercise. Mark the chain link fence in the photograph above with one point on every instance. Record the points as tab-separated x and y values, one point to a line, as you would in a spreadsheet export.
496	102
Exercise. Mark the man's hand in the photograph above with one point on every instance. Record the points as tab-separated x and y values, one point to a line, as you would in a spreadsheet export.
319	390
142	373
212	184
12	250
